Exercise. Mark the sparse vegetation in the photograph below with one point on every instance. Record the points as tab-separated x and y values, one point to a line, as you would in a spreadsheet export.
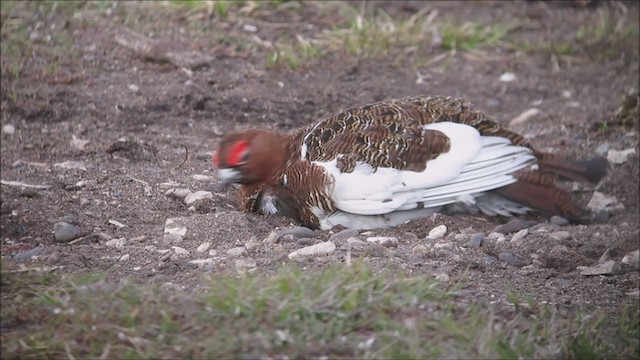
337	312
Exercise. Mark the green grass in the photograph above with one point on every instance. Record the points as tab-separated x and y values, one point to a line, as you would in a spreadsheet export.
336	312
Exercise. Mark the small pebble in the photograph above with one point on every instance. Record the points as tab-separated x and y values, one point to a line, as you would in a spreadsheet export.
124	258
600	201
245	265
560	235
179	193
213	252
116	243
517	237
437	232
632	259
442	277
26	255
197	196
169	239
180	251
558	221
356	243
443	245
507	77
200	177
512	259
297	231
343	235
203	247
322	248
620	156
420	249
65	232
389	242
8	129
174	226
476	240
512	226
605	268
306	241
237	251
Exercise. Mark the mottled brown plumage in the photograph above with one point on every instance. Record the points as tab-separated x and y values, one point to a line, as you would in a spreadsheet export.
386	134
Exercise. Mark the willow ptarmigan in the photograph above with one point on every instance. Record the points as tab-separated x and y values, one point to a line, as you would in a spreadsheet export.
384	163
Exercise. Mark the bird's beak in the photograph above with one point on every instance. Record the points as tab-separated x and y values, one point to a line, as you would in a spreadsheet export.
229	176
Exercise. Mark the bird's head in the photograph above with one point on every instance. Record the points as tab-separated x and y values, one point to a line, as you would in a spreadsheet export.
249	157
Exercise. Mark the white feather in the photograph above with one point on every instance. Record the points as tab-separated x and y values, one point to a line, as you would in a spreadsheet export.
475	164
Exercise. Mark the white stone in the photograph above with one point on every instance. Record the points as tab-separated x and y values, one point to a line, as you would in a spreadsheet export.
443	245
78	143
560	235
604	268
524	117
116	243
133	87
620	156
71	165
519	235
245	265
437	232
632	258
180	251
601	201
508	77
200	177
201	262
178	193
237	251
322	248
125	257
442	277
386	241
8	129
249	28
203	247
198	195
172	226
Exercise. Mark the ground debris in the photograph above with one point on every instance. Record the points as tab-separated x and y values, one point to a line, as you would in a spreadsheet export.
159	50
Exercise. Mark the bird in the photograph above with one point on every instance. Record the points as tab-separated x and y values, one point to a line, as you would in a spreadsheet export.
384	163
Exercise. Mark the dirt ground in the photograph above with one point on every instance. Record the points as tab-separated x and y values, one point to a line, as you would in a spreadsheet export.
143	118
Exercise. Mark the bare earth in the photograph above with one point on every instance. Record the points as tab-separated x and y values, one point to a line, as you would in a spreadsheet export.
143	118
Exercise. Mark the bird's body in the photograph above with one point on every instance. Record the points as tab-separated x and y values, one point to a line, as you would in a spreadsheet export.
381	164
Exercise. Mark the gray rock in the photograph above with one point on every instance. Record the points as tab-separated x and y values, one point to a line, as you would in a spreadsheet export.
288	238
517	237
343	235
632	259
297	231
197	196
306	241
512	226
476	240
386	241
26	255
356	244
178	193
180	251
245	265
437	232
602	149
65	232
116	243
620	156
169	239
175	226
420	249
489	260
512	259
560	235
322	248
558	221
237	251
600	201
203	247
605	268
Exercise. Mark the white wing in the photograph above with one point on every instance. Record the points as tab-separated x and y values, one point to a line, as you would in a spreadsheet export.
475	164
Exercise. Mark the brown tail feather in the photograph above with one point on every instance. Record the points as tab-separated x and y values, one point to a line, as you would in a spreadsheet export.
579	170
544	198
